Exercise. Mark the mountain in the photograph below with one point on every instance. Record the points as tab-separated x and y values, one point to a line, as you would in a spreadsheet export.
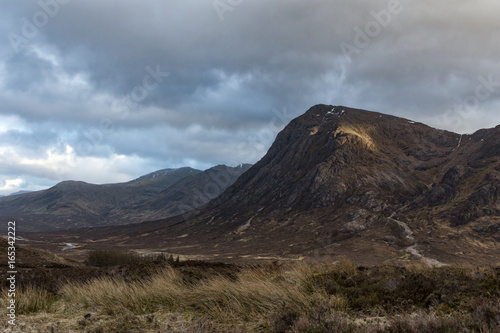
189	193
339	181
72	204
157	195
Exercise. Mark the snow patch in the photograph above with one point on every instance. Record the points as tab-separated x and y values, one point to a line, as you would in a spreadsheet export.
459	142
334	112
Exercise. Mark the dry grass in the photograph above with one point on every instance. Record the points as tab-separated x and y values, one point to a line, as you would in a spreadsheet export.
254	294
30	299
298	297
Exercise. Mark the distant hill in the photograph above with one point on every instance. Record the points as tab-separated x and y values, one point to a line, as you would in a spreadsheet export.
189	193
73	204
15	193
20	192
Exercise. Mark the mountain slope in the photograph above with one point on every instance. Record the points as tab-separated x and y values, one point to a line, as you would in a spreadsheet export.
341	181
73	204
184	196
192	192
157	195
29	258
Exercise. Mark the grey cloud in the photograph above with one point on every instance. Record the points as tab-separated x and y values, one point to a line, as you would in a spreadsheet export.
226	77
27	72
35	141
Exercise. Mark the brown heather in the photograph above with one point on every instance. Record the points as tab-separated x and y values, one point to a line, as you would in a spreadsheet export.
298	297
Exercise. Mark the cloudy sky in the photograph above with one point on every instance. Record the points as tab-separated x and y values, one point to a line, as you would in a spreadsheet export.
106	91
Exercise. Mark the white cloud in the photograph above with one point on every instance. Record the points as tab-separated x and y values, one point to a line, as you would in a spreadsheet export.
12	123
8	186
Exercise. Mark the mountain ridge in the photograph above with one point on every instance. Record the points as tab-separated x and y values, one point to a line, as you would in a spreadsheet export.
73	204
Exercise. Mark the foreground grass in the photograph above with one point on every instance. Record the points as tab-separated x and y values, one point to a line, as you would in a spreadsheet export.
334	297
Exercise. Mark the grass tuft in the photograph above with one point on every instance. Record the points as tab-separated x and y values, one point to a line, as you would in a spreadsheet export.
298	297
30	299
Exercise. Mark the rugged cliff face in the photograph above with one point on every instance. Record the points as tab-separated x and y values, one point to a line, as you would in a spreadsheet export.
337	157
342	181
339	161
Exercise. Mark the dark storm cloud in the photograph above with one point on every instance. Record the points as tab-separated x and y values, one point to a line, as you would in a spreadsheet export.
173	82
264	55
243	65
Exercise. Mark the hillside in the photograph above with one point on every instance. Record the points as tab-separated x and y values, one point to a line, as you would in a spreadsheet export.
157	195
32	258
345	182
185	196
73	204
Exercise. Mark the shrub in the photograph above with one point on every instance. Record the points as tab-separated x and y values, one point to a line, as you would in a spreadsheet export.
104	258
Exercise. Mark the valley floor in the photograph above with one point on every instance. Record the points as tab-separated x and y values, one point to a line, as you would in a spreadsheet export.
194	296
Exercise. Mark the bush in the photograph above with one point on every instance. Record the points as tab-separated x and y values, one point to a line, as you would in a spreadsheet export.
104	258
